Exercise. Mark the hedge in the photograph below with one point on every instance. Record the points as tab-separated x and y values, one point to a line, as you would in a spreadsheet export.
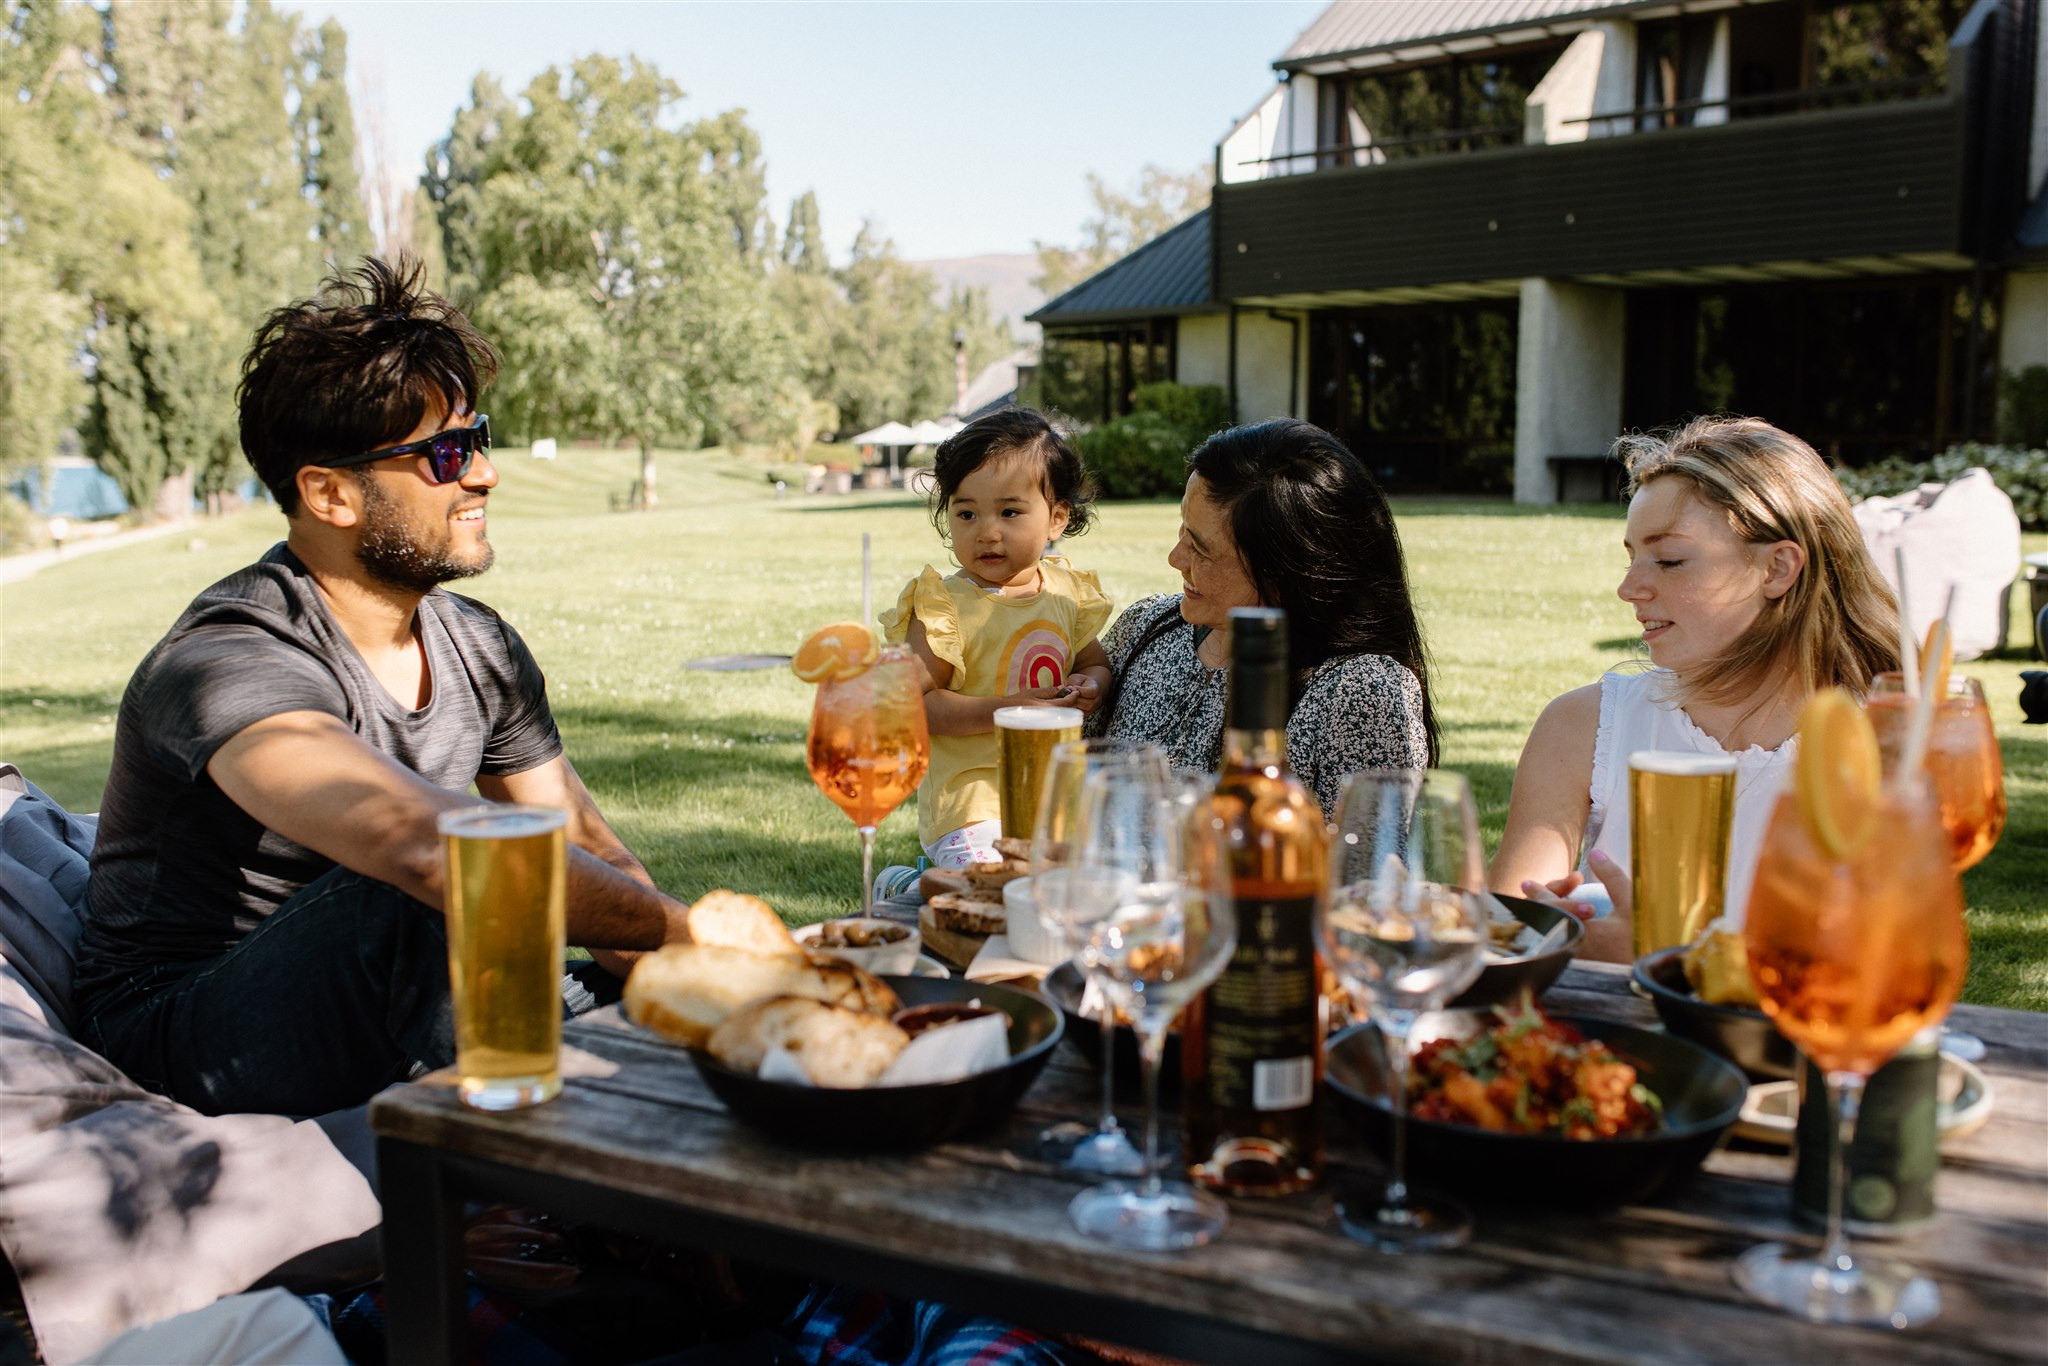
2023	474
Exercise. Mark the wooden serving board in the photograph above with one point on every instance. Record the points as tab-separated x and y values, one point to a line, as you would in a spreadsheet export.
951	946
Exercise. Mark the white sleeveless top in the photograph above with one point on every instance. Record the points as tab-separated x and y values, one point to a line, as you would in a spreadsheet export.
1633	716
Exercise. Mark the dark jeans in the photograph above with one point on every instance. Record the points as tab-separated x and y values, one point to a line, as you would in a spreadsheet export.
341	991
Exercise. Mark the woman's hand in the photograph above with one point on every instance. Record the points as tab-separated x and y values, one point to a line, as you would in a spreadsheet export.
1083	693
1608	940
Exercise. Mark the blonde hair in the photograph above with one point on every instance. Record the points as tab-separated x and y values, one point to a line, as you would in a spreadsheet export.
1838	623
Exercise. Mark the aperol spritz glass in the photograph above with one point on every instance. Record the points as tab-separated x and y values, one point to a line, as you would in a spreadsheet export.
1962	760
869	746
1853	954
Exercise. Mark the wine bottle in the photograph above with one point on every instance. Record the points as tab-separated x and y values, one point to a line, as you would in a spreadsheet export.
1252	1044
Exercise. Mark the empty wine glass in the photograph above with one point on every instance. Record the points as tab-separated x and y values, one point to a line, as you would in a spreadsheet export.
1103	1148
1404	932
1161	928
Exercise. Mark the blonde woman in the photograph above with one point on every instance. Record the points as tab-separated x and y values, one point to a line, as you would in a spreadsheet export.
1753	589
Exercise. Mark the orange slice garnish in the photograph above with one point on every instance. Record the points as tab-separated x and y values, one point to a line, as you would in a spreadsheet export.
1838	773
1937	659
838	652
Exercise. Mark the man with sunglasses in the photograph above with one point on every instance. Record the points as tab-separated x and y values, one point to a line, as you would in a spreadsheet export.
262	928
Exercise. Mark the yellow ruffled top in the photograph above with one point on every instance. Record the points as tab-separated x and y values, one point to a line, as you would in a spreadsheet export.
997	646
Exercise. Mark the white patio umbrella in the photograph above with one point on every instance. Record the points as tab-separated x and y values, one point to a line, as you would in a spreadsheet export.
930	433
888	436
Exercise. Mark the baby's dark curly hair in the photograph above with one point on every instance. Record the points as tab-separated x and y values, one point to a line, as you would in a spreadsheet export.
999	435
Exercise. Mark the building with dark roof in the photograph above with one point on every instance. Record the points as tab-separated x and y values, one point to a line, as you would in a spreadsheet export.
1479	238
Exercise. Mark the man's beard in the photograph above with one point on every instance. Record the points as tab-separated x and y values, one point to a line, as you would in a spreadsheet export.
393	556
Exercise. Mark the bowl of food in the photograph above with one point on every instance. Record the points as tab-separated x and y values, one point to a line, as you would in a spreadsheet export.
1510	1107
819	1050
1064	988
884	947
1702	992
878	1115
1528	949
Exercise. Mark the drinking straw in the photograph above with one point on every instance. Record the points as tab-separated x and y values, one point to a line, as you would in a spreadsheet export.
1924	703
1909	648
867	581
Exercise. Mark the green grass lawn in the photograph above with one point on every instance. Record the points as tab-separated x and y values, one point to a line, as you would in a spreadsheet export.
703	773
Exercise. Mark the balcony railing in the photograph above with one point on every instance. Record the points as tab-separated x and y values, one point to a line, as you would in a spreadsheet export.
1642	119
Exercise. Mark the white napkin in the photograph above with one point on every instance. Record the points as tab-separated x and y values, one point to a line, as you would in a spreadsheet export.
946	1053
998	962
951	1052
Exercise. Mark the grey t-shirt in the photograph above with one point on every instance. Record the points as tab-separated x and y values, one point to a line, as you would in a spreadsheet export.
180	873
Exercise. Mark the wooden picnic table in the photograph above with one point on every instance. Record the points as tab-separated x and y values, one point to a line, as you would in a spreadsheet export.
982	1223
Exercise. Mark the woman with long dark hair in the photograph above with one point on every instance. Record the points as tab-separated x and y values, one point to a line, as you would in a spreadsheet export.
1280	514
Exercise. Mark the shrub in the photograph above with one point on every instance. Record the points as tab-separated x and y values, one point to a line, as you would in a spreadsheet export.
1198	409
1144	454
1140	455
2022	474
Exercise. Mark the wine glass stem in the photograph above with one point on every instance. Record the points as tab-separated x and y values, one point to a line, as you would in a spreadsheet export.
867	867
1107	1124
1397	1100
1846	1090
1151	1048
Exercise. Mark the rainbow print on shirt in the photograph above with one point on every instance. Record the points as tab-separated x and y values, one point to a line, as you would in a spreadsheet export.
1036	657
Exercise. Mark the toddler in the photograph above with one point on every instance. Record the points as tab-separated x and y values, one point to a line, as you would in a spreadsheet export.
1013	626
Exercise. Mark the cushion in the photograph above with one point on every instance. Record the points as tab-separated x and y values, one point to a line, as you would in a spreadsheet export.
1963	534
119	1207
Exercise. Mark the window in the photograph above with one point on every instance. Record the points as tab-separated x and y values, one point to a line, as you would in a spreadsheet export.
1671	69
1861	369
1460	105
1093	376
1425	395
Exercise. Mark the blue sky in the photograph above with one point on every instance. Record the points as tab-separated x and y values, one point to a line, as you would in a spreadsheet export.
958	128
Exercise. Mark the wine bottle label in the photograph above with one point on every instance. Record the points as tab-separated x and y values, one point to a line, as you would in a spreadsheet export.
1263	1016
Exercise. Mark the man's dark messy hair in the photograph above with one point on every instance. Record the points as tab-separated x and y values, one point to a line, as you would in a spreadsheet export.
354	368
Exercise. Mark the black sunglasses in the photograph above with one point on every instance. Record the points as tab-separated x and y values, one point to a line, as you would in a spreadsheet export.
449	454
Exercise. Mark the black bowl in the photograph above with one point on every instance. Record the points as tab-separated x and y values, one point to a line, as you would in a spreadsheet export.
1702	1097
1743	1035
900	1116
1501	983
1063	987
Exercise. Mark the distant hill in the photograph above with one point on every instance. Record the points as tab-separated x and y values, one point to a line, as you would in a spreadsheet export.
1006	277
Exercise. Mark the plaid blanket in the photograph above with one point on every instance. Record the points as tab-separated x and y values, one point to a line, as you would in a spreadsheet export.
832	1326
841	1326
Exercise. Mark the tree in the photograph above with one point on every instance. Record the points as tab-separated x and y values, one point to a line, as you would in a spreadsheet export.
456	169
803	245
1121	224
613	254
96	240
326	137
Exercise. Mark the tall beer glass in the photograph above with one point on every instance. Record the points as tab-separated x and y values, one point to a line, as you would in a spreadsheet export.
507	876
1680	809
1025	737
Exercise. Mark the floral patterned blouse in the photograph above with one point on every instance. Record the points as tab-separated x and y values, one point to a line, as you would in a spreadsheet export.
1356	711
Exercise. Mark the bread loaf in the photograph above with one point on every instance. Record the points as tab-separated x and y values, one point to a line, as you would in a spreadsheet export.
835	1046
735	920
685	991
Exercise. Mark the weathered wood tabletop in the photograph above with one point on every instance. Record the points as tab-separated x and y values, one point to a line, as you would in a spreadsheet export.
982	1223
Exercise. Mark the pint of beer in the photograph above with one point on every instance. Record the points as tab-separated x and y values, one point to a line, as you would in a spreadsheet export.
507	875
1681	807
1024	740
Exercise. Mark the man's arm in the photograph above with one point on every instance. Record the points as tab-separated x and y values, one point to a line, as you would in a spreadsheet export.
592	897
307	776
